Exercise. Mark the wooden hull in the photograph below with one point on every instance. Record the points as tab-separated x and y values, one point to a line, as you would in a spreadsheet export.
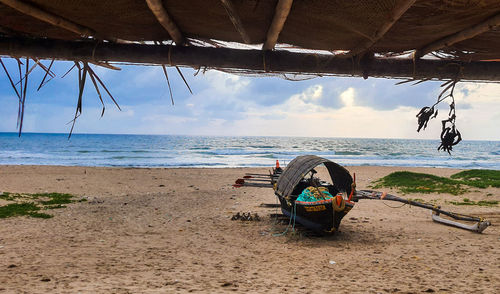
320	217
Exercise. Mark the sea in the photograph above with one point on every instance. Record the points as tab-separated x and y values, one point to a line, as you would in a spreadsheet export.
210	151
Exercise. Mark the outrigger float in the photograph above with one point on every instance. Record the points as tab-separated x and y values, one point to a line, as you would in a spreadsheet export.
320	206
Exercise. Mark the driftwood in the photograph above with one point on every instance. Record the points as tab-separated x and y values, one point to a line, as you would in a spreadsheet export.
251	60
280	15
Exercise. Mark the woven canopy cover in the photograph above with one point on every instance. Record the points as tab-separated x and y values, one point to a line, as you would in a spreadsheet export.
298	168
452	30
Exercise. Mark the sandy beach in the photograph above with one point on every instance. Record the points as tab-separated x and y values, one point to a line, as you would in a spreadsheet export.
170	230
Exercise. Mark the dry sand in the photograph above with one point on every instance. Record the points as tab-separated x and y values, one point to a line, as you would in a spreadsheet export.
169	230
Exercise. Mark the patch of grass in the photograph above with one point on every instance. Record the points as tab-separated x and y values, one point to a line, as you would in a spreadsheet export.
30	204
40	215
20	209
410	182
467	201
6	196
480	178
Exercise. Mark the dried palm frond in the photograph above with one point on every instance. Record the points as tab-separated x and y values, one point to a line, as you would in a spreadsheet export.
47	72
69	70
10	80
93	79
82	77
92	72
168	82
184	79
84	70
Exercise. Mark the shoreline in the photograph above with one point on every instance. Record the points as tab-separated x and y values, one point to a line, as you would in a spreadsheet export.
158	230
221	167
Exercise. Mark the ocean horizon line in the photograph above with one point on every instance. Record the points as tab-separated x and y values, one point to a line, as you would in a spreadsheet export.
235	136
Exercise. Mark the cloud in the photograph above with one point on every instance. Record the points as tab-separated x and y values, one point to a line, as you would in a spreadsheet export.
347	97
226	104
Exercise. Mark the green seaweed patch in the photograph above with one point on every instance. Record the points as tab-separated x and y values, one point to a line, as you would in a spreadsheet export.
31	204
480	178
20	209
410	182
55	198
467	201
6	196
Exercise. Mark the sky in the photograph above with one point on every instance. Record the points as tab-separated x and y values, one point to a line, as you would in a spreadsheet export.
225	104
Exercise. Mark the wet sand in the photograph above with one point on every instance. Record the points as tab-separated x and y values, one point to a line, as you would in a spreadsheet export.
170	230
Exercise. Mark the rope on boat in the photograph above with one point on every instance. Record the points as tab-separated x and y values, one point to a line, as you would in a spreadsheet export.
292	217
395	206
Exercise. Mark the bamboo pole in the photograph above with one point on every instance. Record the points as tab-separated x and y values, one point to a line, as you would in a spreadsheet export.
236	20
54	19
161	14
468	33
249	60
396	14
280	15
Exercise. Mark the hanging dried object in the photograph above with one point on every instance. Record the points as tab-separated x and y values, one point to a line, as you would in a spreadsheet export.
450	136
424	116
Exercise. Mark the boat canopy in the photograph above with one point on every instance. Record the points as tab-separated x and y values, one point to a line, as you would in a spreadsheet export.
298	168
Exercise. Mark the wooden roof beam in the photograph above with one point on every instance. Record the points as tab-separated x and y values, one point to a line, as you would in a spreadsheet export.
280	15
54	19
463	35
161	14
226	58
398	11
236	20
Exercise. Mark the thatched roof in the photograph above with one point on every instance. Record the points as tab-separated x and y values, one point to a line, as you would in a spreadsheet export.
360	37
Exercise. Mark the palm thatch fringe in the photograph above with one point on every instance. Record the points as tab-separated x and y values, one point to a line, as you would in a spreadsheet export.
168	82
47	72
184	79
84	70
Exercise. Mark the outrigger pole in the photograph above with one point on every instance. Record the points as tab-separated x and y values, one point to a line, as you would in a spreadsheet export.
478	227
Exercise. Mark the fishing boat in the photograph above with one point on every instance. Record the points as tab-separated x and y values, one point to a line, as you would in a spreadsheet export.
316	204
321	205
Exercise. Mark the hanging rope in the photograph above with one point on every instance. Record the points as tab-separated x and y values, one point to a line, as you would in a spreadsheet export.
291	222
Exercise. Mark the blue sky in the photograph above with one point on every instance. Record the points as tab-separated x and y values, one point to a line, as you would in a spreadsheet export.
226	104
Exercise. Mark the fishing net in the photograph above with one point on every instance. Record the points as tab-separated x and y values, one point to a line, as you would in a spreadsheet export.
313	194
